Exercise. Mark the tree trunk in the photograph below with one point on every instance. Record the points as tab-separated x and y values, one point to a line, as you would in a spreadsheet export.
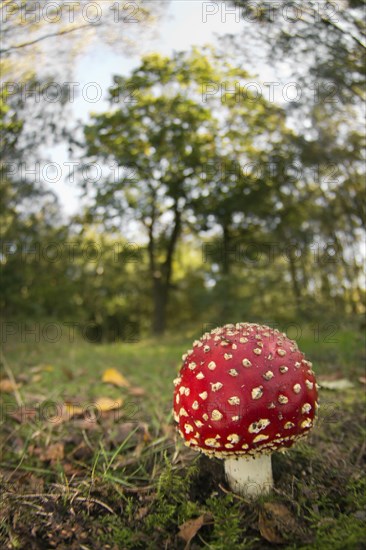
225	306
160	302
162	274
226	238
295	283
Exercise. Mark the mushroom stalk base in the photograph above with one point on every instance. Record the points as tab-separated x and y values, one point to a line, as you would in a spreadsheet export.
249	477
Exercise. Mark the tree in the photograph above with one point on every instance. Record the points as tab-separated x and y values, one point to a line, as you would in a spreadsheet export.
68	27
324	47
177	128
321	41
32	115
161	138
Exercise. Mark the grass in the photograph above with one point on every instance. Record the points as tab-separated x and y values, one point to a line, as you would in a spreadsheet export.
121	480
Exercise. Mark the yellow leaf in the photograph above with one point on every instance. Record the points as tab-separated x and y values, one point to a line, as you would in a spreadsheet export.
112	376
48	368
7	386
42	368
73	410
107	404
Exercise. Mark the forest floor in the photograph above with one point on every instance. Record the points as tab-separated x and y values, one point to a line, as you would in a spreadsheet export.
88	463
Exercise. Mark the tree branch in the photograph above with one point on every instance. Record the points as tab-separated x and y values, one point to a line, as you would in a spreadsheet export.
328	22
45	37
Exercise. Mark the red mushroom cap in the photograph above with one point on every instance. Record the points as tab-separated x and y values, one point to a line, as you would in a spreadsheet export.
244	389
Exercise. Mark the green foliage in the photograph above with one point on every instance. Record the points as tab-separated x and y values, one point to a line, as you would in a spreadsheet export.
224	230
172	506
226	521
343	532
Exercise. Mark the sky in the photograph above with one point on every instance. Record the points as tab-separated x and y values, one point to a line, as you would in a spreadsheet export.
185	23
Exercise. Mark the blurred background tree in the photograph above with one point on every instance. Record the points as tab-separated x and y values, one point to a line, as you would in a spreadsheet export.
239	207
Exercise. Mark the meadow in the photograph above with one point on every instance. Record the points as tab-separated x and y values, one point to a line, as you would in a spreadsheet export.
92	463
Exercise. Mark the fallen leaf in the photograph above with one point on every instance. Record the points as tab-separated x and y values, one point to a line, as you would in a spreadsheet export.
112	376
120	431
190	528
71	470
64	413
26	483
69	374
24	414
73	410
336	385
104	404
86	424
53	453
7	386
142	512
42	368
276	522
23	377
136	391
48	368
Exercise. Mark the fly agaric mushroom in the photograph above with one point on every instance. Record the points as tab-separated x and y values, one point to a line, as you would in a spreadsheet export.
243	392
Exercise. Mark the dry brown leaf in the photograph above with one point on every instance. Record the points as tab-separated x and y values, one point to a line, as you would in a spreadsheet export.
275	522
190	528
120	431
24	414
68	373
26	483
71	470
7	386
53	453
86	424
112	376
136	391
142	512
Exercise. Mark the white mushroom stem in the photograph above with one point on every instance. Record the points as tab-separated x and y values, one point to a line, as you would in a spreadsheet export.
248	476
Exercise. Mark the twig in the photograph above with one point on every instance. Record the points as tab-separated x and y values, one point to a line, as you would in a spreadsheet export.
96	501
46	496
242	499
44	37
38	508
